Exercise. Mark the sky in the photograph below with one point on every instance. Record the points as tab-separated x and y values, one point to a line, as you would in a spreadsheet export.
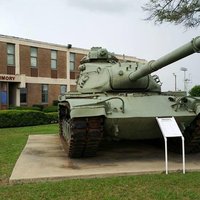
117	25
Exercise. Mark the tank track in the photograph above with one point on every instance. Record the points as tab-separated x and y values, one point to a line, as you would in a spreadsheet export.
192	138
85	136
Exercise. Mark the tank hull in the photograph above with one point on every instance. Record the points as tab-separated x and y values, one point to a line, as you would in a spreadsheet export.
87	120
132	116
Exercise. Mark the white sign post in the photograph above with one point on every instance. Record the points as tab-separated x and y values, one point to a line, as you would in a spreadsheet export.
170	128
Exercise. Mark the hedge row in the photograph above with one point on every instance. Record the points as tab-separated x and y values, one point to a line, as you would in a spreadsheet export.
17	118
50	109
36	107
24	108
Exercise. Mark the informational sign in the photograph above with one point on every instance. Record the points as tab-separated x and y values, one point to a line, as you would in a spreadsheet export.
170	128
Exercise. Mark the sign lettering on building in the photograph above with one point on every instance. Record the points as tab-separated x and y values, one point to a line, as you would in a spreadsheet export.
7	78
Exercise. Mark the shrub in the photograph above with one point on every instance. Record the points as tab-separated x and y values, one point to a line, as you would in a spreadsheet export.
17	118
195	91
50	109
52	117
24	108
40	106
55	102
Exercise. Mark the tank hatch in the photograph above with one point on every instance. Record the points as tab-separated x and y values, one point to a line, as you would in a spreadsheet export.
99	54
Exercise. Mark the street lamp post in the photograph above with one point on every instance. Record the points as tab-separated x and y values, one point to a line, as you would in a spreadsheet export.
175	82
184	81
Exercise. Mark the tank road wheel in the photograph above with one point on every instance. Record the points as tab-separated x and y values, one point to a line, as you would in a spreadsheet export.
76	141
192	138
86	135
94	135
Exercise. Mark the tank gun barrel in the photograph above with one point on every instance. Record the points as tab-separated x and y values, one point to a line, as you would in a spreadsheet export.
154	65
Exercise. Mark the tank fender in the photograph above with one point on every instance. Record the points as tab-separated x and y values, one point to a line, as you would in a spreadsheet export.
97	108
88	111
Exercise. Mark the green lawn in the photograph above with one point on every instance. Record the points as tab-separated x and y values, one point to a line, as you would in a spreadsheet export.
13	140
172	186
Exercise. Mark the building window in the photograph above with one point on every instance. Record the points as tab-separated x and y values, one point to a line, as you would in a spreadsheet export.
63	89
72	61
53	59
44	93
23	95
11	54
34	54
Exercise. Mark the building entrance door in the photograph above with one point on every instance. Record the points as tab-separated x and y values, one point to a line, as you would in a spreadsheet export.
12	94
3	95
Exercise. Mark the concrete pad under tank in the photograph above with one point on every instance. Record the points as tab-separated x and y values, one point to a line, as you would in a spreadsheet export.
44	159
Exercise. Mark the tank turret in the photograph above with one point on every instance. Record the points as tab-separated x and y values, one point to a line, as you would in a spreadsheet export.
100	70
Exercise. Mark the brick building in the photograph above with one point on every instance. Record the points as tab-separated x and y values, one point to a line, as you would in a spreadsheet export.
34	72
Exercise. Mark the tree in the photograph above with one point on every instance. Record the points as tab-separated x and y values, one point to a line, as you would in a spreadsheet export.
195	91
186	12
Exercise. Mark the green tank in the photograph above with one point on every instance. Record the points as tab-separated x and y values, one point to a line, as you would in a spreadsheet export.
121	100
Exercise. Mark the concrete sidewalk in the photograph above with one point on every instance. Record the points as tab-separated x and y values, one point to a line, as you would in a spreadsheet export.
43	158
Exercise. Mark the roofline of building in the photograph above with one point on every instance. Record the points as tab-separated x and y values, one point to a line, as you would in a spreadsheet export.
67	47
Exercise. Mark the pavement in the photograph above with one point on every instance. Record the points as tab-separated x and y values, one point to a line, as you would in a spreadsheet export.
43	158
